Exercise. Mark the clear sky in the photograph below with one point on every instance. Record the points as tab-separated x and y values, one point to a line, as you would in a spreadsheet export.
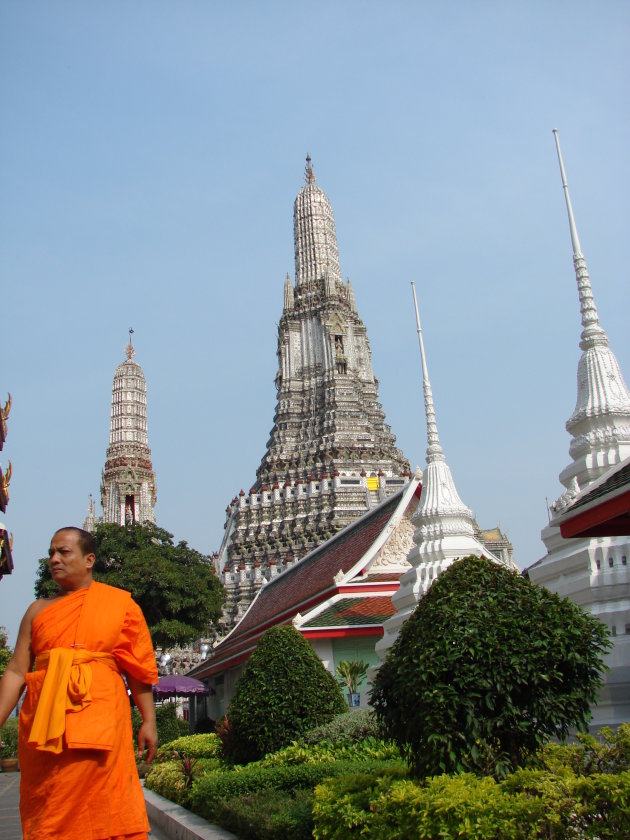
150	154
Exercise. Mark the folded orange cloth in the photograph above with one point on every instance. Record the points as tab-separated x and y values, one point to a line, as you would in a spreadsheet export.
66	688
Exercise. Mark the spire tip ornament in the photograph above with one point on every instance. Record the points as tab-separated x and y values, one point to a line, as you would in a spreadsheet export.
129	348
309	175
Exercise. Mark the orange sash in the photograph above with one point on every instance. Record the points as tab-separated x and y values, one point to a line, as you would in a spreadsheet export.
66	688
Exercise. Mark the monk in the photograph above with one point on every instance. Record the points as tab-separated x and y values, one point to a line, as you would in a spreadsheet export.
79	778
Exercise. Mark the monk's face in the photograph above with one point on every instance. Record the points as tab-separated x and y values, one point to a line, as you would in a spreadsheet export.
70	568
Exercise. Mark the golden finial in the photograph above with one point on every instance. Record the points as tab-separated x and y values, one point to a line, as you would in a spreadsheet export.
309	175
7	408
129	348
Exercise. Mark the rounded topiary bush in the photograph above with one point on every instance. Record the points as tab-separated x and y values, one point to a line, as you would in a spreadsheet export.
283	691
487	668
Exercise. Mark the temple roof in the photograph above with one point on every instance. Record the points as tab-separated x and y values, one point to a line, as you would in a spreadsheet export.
340	566
351	612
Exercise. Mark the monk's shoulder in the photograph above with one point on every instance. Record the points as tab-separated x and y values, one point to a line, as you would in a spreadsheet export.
39	605
111	592
106	586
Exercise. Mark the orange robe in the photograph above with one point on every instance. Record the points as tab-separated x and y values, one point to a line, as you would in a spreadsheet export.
90	789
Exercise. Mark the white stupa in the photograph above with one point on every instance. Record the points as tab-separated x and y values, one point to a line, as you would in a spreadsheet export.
594	571
444	529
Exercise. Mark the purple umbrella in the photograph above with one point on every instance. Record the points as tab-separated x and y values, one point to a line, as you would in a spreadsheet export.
176	685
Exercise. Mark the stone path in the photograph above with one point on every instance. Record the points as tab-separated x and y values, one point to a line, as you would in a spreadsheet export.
9	805
168	821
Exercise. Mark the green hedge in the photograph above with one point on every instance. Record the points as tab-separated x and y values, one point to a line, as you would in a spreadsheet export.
244	781
271	815
527	804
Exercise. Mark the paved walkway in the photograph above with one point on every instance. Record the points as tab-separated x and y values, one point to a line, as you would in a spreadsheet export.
9	806
168	821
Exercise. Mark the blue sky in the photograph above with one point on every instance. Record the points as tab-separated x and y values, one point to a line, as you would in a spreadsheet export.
149	159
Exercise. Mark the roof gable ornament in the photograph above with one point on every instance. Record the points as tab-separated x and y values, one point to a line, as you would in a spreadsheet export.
4	412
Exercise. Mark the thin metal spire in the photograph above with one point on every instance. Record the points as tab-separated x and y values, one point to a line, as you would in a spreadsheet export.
309	175
575	240
592	332
129	348
434	449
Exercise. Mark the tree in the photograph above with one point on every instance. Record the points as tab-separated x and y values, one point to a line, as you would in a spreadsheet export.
487	668
5	651
283	691
175	586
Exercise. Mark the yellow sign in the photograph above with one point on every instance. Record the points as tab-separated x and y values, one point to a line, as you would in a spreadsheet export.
373	482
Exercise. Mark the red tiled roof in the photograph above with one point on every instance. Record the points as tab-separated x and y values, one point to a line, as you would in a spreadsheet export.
303	586
349	612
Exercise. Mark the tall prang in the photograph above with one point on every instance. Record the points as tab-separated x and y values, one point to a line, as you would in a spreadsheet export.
128	489
331	455
594	571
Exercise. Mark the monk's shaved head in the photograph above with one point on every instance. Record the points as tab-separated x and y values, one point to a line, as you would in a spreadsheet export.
86	541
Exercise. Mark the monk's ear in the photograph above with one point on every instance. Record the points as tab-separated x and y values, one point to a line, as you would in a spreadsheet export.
90	560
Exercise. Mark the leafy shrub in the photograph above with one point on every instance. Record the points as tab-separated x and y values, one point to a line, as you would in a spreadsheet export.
609	752
342	805
370	749
486	669
272	815
195	746
283	691
168	780
527	804
345	728
9	736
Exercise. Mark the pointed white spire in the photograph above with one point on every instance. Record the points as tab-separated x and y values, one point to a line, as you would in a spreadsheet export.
444	525
434	449
600	423
592	333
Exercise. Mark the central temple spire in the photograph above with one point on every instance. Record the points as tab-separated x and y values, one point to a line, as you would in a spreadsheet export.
314	235
330	456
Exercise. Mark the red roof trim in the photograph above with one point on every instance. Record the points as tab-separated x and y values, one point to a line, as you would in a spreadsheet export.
339	632
367	589
597	520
